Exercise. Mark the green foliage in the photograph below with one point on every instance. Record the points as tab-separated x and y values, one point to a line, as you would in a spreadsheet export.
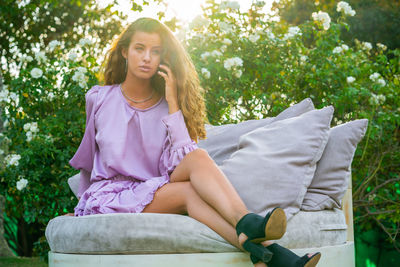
26	23
282	64
44	124
22	262
375	21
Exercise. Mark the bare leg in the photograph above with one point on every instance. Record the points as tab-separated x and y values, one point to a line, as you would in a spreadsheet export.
213	188
181	198
211	184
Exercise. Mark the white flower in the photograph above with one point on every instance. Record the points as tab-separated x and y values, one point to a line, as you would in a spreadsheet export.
346	8
85	41
57	20
381	98
377	99
210	35
205	55
345	47
66	92
198	22
292	32
31	129
232	63
229	4
260	3
72	56
216	53
1	151
50	96
227	41
80	77
270	34
350	79
34	127
223	48
26	58
29	136
6	123
21	184
237	73
40	56
254	38
375	76
13	99
4	95
366	45
12	159
36	73
303	58
381	82
225	27
49	138
27	126
53	44
337	50
381	46
323	17
81	69
205	73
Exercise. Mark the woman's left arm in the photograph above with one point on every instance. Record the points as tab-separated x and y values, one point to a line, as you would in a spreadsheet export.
177	143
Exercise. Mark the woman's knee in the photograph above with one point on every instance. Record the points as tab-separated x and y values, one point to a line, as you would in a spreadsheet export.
199	156
190	194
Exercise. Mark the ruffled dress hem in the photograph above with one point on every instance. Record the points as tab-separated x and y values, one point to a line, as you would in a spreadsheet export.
105	196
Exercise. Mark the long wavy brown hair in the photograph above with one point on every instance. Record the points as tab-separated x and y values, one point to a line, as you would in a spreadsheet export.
190	93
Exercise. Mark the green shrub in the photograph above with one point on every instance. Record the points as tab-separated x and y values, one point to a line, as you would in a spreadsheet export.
44	120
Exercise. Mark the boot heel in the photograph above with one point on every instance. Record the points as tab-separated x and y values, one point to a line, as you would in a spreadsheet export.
258	250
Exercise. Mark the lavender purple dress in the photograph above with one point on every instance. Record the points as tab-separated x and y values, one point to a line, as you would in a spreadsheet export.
126	153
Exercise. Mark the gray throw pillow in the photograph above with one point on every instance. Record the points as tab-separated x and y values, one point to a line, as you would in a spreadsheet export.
275	164
222	140
331	178
73	183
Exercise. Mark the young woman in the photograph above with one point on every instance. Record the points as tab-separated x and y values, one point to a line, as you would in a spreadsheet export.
138	152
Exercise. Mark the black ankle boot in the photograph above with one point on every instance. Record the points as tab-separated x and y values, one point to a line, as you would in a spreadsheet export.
258	229
283	257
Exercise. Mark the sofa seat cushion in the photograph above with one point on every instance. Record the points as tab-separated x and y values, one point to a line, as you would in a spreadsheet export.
156	233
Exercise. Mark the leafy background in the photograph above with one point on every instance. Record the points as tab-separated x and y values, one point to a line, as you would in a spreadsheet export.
251	65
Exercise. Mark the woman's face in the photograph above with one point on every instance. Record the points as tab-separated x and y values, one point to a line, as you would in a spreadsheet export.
144	54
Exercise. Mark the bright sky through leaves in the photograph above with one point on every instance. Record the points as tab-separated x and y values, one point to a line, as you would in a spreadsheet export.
183	10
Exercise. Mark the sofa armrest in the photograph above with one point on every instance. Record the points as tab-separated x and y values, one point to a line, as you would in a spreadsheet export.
347	207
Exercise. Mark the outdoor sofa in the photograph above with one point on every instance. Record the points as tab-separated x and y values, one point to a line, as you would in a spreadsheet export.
294	160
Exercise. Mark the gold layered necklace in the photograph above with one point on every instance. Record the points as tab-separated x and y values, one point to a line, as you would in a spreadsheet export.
141	101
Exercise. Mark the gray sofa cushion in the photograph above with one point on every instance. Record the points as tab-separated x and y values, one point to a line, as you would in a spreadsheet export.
275	164
223	140
148	233
331	178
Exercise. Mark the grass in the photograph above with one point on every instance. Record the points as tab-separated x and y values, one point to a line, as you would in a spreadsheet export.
22	262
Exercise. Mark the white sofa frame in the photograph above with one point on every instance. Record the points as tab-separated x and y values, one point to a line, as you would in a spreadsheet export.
332	256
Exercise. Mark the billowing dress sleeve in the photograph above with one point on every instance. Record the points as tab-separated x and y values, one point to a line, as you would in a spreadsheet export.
177	143
84	156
